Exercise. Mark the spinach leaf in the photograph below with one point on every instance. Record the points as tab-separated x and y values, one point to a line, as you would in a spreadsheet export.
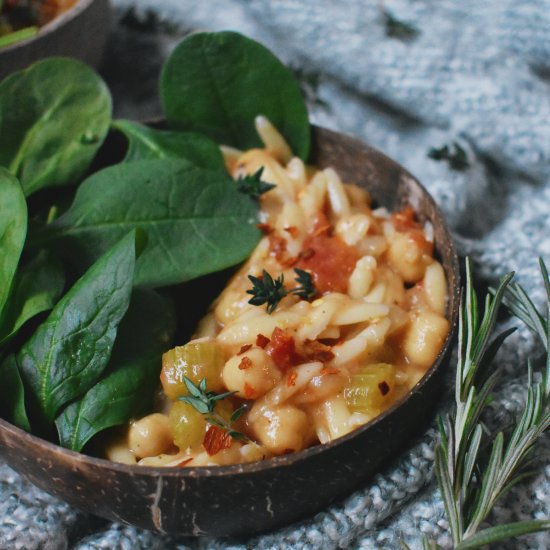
69	351
13	231
127	389
53	118
195	220
217	83
145	142
12	401
36	288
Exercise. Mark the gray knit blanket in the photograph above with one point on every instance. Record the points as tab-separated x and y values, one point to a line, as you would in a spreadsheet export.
470	74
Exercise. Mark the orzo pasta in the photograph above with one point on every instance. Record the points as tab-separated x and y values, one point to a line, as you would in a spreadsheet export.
308	369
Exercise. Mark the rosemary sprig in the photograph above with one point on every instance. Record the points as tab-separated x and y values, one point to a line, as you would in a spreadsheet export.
204	401
252	185
470	479
266	290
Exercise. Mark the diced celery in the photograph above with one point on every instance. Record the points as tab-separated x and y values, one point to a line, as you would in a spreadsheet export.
372	388
195	360
187	424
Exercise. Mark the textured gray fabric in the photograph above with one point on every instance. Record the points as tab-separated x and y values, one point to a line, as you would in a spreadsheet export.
477	73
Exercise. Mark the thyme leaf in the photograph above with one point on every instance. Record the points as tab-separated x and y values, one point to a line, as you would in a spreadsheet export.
266	290
204	401
252	185
270	291
305	289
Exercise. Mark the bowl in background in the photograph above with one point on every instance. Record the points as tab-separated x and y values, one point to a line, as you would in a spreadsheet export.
249	498
79	32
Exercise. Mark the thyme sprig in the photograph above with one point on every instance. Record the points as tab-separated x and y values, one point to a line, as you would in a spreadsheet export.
204	401
252	185
473	468
270	291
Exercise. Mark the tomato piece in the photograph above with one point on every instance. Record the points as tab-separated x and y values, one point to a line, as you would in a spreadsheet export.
282	350
330	260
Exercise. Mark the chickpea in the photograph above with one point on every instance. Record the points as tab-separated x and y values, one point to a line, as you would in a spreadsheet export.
150	436
251	374
282	429
409	256
424	337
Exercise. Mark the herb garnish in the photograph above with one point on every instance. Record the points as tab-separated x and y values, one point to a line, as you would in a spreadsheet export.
395	28
454	154
471	478
252	185
204	401
266	290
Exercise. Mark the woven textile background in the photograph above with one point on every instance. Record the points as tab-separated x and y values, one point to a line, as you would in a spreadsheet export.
476	74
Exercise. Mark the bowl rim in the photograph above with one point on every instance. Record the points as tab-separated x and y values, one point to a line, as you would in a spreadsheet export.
291	458
52	26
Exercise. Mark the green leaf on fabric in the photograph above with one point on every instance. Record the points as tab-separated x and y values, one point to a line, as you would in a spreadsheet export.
36	289
53	118
149	143
13	231
195	220
70	350
127	388
217	83
12	394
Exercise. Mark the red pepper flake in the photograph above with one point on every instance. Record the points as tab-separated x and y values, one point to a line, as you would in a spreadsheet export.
323	356
277	246
245	363
290	262
262	341
316	351
383	387
328	370
216	440
184	462
292	231
249	391
265	228
322	230
321	224
405	219
306	254
282	350
291	379
246	347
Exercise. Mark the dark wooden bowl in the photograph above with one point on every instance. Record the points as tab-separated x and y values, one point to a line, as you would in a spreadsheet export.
80	32
248	498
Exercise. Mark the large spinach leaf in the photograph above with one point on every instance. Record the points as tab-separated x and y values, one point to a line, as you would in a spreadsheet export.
36	288
12	398
13	231
195	220
69	351
127	389
53	118
145	142
217	83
